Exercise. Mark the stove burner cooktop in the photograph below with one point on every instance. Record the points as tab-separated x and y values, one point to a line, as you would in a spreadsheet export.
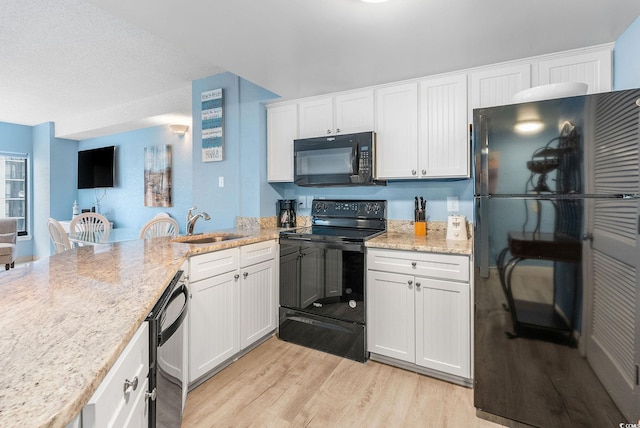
332	233
343	220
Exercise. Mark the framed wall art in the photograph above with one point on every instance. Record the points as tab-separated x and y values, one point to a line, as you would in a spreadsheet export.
212	126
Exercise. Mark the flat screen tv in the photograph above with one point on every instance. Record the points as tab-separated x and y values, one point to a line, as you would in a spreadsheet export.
96	168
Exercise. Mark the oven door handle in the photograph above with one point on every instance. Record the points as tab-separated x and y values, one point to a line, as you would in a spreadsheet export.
166	334
330	245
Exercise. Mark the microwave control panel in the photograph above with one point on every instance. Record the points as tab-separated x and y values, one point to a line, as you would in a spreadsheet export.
364	162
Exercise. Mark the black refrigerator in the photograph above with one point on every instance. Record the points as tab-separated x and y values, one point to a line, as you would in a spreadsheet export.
556	300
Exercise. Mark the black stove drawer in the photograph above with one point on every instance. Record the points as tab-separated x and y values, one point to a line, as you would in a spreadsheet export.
333	336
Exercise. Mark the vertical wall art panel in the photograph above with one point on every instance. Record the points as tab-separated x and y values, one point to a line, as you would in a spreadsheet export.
157	176
212	124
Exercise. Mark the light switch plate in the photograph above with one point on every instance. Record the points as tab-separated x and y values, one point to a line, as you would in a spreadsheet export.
453	205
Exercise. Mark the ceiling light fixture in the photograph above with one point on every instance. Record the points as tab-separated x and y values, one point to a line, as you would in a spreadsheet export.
179	129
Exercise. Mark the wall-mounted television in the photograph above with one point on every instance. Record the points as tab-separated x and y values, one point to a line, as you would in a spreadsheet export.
96	168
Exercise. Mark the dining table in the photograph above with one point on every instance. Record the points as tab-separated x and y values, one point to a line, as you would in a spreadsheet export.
80	238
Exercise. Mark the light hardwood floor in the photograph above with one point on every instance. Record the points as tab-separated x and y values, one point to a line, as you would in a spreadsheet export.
279	384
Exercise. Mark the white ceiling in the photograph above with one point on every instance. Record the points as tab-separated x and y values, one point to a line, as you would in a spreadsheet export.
96	67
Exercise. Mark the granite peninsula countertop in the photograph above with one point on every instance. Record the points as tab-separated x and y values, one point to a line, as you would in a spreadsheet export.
66	319
434	242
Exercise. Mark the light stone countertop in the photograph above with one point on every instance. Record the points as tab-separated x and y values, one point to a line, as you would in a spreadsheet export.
434	242
66	319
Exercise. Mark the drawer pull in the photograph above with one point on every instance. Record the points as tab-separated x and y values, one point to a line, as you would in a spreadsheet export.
236	276
130	384
152	395
414	264
246	274
418	285
410	282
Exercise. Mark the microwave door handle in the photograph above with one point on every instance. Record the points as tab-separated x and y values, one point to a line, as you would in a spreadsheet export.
355	150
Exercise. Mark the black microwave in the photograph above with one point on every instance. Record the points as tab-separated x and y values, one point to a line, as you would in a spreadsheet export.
338	160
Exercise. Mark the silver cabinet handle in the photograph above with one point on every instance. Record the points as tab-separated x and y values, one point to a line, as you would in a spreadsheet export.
413	172
337	130
410	282
418	285
328	131
246	274
133	384
414	264
587	237
236	276
424	172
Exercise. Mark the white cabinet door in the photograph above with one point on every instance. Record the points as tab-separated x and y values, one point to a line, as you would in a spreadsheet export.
497	86
113	404
354	112
442	326
214	323
397	131
443	137
282	129
316	117
593	68
257	302
391	315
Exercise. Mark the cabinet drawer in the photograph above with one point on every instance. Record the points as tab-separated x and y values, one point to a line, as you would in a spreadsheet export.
442	266
257	253
111	404
211	264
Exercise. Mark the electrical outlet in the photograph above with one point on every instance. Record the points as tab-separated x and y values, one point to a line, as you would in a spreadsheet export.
302	202
453	205
220	181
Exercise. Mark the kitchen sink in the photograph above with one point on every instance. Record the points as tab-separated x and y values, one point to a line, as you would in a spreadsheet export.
207	239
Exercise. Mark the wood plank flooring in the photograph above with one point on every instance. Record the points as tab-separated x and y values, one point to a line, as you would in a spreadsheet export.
280	384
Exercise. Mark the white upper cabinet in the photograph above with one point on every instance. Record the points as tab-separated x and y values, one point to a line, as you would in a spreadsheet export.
422	129
592	68
354	112
282	129
316	117
497	86
341	114
443	147
397	131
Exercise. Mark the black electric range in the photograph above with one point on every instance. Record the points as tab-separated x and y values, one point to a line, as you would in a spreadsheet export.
323	278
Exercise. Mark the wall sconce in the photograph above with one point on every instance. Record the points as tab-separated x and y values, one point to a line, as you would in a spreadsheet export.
179	129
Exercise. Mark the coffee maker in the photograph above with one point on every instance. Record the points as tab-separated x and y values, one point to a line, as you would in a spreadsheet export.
286	212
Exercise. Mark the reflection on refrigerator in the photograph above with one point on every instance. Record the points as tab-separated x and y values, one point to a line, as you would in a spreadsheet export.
556	251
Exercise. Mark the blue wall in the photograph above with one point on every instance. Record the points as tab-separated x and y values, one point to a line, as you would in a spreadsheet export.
244	164
626	61
399	194
124	203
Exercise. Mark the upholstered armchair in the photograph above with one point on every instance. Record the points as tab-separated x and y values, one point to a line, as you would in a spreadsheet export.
8	235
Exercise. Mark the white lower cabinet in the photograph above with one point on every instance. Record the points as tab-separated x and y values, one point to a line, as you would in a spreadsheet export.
233	304
120	399
418	311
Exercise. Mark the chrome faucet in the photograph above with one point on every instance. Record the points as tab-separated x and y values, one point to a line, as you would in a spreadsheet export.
192	218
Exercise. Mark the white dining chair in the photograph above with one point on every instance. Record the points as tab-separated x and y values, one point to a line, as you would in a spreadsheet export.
93	224
58	235
159	226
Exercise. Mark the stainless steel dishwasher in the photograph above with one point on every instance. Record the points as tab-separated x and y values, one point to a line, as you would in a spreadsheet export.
167	356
